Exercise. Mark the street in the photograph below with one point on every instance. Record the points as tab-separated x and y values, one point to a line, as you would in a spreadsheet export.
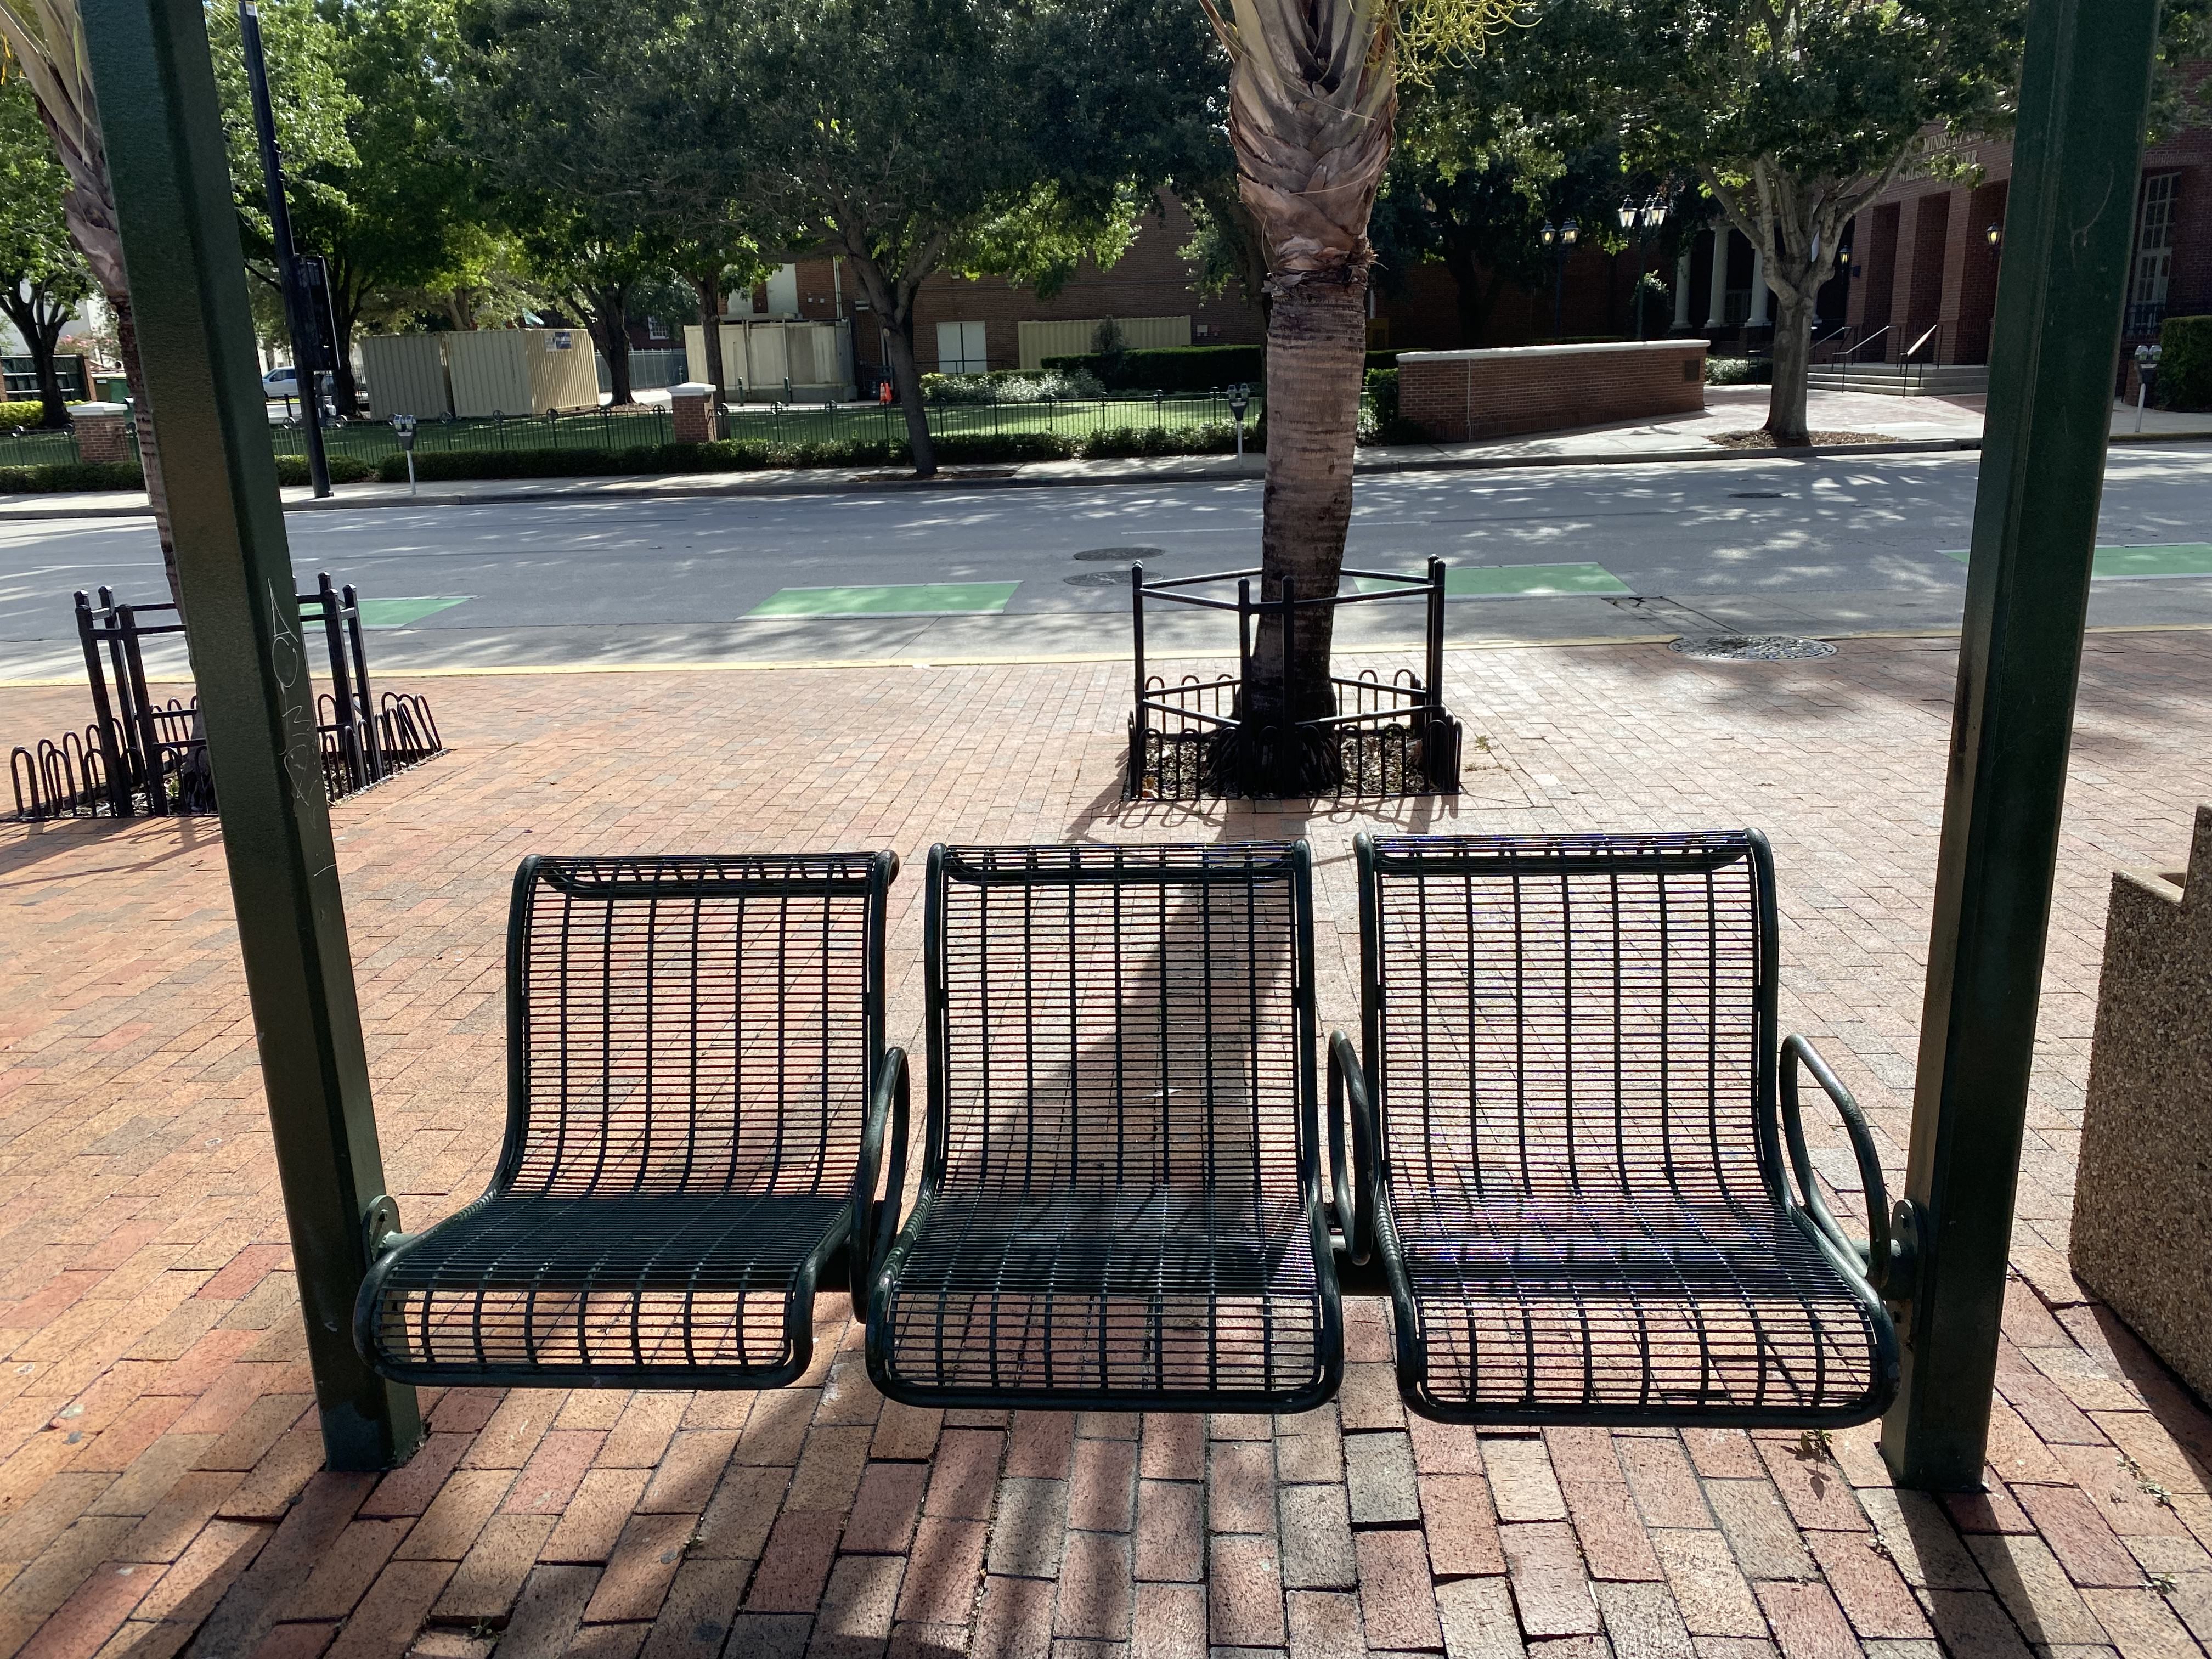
1764	545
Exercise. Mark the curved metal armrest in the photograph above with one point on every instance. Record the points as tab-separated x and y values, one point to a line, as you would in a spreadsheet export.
1356	1199
1873	1257
865	1247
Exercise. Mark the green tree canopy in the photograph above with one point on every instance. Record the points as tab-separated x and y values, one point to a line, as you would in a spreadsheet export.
915	135
43	276
1797	113
379	180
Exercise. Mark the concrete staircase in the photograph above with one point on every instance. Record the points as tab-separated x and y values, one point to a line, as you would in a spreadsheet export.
1902	379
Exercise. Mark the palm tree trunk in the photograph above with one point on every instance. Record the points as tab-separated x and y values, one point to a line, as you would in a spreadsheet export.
149	454
1316	347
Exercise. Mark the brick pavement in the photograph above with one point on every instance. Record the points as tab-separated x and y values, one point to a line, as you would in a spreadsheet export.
159	1482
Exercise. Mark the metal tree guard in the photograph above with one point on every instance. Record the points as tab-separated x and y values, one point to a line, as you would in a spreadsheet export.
1396	737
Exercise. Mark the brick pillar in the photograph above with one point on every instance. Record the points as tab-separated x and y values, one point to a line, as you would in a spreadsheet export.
693	406
103	431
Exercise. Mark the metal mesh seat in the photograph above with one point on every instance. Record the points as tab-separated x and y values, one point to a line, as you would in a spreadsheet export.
697	1096
1120	1200
1569	1128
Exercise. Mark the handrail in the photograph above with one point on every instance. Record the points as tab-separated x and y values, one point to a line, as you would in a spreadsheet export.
1937	362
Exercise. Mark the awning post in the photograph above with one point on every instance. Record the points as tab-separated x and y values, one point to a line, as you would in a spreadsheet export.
179	229
2084	93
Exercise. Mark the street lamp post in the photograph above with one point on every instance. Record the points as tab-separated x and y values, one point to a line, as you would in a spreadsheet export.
302	320
1560	241
1643	220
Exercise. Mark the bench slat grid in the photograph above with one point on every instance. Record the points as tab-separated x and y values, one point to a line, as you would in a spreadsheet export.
692	1045
1119	1198
1572	1041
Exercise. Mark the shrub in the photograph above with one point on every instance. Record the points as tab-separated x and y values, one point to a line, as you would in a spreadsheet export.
1010	385
1379	420
59	476
344	468
21	414
1738	371
1171	368
2184	363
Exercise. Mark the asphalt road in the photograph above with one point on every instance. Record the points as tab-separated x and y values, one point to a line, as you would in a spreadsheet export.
1763	546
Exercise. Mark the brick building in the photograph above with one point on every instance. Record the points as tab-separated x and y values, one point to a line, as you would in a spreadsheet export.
965	325
1925	254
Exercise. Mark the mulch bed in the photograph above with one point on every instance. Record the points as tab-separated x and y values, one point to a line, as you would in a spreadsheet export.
1760	438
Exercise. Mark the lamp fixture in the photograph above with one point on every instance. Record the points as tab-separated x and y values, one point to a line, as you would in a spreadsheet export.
1568	231
1995	236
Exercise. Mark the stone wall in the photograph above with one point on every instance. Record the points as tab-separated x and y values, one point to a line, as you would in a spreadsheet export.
1458	396
2142	1201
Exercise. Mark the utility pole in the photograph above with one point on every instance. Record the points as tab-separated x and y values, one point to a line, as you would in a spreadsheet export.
302	319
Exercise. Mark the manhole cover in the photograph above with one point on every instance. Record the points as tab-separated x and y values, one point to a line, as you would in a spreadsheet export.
1751	647
1108	554
1754	495
1098	579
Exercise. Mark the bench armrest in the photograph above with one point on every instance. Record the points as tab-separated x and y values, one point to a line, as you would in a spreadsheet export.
1355	1197
1873	1256
865	1247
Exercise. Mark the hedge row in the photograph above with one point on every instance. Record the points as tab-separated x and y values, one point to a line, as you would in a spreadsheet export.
344	468
58	477
749	455
2184	363
1168	369
21	414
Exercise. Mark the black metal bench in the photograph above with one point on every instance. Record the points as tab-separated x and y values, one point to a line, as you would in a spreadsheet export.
697	1096
1121	1199
1570	1133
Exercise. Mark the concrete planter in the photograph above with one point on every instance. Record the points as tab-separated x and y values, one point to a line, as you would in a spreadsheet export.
2142	1202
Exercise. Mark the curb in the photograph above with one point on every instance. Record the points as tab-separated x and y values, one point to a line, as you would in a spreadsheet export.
740	487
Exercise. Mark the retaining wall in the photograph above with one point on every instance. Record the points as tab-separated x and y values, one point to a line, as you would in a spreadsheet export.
1458	396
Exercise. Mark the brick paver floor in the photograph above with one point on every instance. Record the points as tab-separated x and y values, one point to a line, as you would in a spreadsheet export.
160	1490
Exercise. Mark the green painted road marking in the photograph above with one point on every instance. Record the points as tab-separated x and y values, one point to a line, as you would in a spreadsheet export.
2119	564
897	599
1499	582
398	613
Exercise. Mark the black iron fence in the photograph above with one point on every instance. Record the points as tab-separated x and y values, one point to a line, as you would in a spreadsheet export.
780	425
1387	736
139	758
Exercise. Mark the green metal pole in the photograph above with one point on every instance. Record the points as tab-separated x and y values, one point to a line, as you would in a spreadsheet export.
172	192
2084	93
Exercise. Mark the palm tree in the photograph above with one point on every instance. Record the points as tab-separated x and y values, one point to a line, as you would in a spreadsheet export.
1313	91
45	41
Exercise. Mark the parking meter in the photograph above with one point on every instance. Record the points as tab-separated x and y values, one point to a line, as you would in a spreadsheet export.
404	425
1240	399
2146	377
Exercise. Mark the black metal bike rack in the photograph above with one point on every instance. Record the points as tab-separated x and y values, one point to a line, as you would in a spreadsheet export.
1394	736
141	759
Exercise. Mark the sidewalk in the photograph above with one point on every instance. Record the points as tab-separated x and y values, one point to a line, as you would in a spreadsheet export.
160	1491
1908	424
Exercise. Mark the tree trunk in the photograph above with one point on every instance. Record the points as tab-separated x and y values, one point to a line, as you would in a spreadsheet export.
906	380
1316	347
1473	296
1793	354
149	454
343	387
40	325
710	330
611	306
